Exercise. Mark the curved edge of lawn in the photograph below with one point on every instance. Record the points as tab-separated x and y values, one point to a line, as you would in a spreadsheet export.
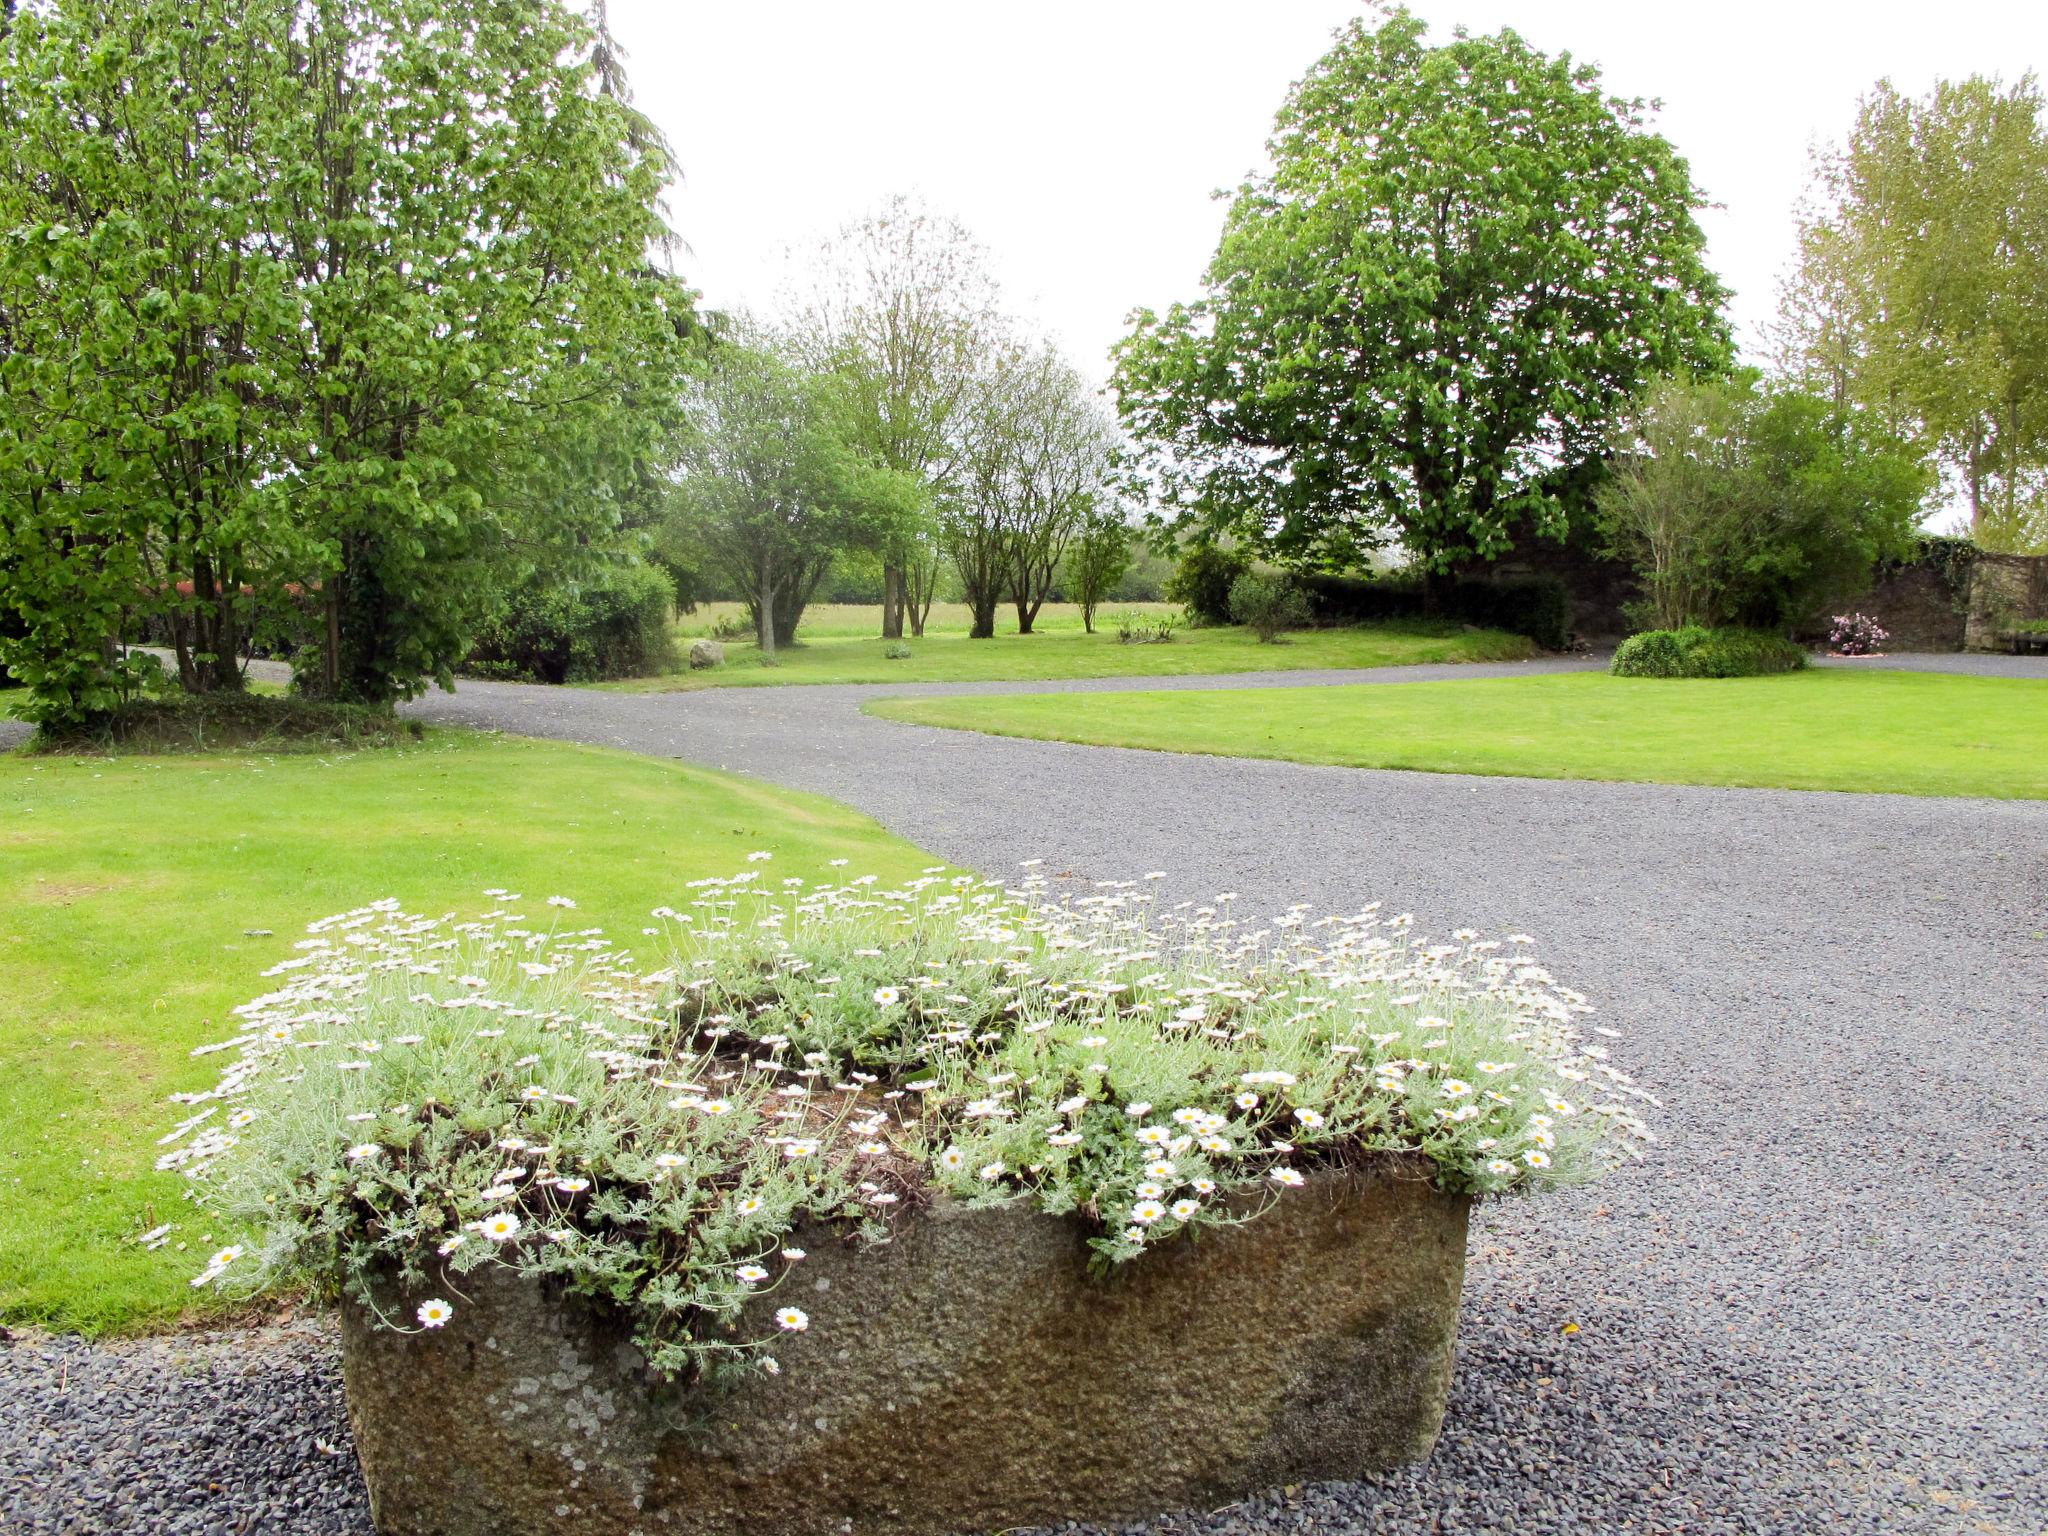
142	896
1910	733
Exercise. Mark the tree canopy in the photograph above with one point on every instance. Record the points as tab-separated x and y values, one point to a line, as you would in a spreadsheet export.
901	305
1465	259
1034	461
1922	289
334	306
774	486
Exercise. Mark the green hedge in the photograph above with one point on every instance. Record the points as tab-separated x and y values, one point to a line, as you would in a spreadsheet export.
615	623
1697	652
1536	606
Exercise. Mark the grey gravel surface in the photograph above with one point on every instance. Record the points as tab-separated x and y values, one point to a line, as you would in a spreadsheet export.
1820	1304
240	1432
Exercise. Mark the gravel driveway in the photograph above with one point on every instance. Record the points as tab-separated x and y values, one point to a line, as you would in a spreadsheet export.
1821	1304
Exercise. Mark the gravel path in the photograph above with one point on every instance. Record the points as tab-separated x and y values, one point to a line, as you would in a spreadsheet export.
1821	1304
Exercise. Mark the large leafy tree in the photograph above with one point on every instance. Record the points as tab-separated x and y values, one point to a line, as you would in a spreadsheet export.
346	303
140	315
1922	289
471	213
1464	260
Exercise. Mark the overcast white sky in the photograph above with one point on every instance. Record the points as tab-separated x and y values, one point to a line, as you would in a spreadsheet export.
1081	141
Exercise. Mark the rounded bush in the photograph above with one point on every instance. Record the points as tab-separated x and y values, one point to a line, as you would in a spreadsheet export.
1695	651
1267	605
1202	582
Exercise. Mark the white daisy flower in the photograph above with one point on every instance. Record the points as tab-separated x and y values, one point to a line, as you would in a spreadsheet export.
432	1314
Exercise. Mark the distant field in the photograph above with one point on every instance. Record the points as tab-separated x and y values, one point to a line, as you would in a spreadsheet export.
842	644
839	621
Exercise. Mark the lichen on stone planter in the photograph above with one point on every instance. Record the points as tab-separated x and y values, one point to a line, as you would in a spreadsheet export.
969	1374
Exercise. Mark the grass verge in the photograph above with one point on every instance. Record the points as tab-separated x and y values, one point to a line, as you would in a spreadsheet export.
1891	732
1059	652
135	895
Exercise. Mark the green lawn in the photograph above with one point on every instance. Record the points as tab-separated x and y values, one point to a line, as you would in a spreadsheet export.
1902	732
839	645
131	889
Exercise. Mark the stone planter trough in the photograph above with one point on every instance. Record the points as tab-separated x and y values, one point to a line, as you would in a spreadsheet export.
969	1375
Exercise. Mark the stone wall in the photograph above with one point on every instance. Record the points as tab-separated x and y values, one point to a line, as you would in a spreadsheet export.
1600	588
1919	605
2004	590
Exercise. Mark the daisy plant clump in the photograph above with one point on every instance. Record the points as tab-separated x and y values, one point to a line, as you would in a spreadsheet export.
423	1096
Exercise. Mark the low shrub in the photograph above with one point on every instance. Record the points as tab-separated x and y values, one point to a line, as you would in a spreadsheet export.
615	623
1135	627
1856	634
1268	605
1698	652
896	650
1538	607
1202	581
212	722
419	1097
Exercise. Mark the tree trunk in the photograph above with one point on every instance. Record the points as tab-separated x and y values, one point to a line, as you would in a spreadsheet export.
1088	618
764	611
330	663
1975	475
923	581
984	625
892	602
1435	586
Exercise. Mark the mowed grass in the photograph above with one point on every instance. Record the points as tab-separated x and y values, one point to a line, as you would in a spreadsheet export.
840	644
1882	732
133	889
860	621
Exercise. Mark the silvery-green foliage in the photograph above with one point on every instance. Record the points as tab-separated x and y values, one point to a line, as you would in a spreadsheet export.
422	1096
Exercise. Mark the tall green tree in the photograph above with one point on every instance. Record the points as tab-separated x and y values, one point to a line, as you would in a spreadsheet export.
1035	458
141	316
773	492
340	301
1465	260
1922	289
470	214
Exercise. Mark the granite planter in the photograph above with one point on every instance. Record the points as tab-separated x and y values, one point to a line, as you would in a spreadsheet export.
968	1375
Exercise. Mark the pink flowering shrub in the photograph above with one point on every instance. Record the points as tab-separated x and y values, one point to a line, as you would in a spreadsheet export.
1856	634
